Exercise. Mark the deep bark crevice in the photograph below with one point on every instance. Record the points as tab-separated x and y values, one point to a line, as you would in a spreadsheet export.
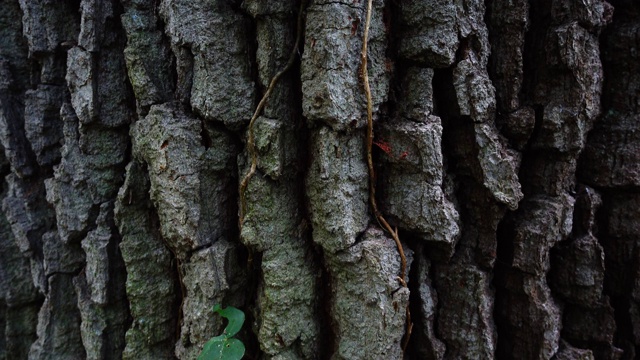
618	276
328	343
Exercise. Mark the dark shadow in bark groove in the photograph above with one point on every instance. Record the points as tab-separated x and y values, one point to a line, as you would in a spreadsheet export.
504	254
178	286
618	277
619	253
254	274
20	155
183	79
413	350
179	289
328	344
444	98
3	324
118	277
533	53
252	54
327	338
173	68
445	105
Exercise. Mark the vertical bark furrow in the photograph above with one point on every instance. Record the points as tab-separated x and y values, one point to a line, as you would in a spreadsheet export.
412	157
484	172
46	25
577	276
59	334
151	290
464	282
33	126
336	185
413	161
20	298
367	302
88	176
476	100
42	124
362	269
288	326
429	32
148	56
168	141
332	93
191	191
566	94
30	218
610	164
425	341
216	34
468	334
94	156
508	24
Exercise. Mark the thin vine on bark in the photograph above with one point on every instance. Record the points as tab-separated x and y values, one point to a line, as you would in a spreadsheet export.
251	144
372	175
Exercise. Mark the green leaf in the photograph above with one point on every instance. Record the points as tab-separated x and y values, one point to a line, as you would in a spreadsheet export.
212	348
233	349
222	348
235	318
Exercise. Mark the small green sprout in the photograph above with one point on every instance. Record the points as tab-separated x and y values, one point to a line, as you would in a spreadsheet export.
224	346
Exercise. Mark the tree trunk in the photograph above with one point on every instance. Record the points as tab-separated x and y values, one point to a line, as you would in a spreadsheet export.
141	190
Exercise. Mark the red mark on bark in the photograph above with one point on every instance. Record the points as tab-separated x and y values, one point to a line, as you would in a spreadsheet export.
384	146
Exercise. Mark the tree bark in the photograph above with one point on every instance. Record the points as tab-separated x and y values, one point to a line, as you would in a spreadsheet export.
138	192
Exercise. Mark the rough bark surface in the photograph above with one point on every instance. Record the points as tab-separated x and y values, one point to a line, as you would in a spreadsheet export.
507	154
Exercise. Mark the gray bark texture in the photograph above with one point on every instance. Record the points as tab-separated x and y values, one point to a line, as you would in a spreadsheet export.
506	156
